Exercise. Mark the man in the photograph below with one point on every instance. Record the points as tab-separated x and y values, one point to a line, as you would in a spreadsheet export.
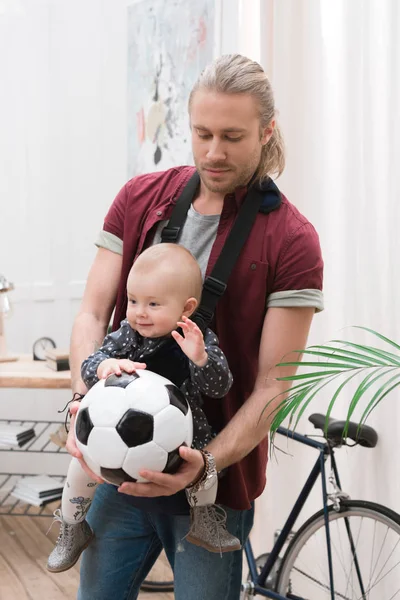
265	313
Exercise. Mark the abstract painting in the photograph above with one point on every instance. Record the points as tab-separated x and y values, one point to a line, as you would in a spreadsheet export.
169	44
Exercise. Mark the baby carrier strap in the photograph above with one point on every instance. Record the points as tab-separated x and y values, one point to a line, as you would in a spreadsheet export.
261	197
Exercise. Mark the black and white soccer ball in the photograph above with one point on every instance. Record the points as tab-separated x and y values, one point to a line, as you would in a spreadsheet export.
132	422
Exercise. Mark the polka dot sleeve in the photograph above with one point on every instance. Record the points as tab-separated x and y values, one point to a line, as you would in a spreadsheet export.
118	344
214	379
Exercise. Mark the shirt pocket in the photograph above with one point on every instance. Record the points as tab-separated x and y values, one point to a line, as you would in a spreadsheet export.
247	291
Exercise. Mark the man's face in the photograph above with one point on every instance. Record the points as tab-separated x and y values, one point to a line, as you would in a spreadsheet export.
226	139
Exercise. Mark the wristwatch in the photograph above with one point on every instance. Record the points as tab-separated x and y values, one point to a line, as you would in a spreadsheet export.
209	476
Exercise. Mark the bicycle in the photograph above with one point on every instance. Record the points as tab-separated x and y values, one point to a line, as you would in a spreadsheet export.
349	550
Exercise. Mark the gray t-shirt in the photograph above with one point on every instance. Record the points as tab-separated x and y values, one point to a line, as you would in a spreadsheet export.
198	235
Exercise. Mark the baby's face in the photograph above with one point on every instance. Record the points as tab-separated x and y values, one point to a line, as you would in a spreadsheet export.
154	308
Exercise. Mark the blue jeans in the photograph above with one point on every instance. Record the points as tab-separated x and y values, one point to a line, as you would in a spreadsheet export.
128	541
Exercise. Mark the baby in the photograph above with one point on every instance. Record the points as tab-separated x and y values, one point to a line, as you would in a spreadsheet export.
164	289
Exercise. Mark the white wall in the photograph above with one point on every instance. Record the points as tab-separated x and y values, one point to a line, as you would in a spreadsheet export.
63	152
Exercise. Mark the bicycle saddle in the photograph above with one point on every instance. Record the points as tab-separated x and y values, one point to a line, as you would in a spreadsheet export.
365	436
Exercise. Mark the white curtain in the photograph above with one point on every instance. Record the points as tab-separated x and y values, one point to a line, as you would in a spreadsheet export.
335	68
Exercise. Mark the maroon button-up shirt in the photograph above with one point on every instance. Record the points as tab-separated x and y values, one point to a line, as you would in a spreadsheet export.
281	254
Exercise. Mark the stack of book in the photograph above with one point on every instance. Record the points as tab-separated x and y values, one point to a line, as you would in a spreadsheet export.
58	360
15	436
37	490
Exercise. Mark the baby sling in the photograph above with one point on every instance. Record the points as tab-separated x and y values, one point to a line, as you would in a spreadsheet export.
261	197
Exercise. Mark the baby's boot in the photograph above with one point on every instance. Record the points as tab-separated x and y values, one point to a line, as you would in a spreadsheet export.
71	542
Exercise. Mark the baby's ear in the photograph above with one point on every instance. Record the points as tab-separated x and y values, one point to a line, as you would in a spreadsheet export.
190	307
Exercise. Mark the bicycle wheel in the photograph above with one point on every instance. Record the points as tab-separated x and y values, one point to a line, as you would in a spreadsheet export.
160	578
365	542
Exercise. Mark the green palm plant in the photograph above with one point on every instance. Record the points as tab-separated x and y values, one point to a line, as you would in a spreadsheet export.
333	366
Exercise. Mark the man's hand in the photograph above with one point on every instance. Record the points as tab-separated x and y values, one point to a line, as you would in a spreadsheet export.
193	342
72	447
113	365
162	484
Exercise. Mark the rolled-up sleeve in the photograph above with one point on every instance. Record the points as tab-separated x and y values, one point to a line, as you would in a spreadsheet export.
109	241
112	235
299	273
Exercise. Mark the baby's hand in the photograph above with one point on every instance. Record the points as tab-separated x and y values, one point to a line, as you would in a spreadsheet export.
193	342
114	365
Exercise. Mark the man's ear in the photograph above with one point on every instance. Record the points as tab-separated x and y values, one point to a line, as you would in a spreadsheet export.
266	132
190	306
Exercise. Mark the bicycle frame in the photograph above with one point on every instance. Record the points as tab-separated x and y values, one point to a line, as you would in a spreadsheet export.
258	581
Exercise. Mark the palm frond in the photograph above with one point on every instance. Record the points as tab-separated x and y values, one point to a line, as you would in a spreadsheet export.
341	359
379	335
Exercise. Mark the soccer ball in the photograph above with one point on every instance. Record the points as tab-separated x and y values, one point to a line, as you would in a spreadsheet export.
132	422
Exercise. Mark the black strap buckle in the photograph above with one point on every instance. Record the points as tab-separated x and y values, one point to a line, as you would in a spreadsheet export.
214	286
202	317
170	234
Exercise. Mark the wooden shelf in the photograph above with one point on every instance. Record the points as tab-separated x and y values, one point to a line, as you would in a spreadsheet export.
34	374
40	444
30	374
13	506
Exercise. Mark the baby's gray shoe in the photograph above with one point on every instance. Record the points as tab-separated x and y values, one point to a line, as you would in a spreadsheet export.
71	542
208	530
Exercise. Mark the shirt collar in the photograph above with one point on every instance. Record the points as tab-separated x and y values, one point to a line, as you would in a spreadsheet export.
267	186
240	193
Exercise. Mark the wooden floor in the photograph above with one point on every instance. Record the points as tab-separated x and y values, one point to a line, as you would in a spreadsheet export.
24	548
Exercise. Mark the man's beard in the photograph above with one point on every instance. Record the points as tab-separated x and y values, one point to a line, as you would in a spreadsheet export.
237	178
